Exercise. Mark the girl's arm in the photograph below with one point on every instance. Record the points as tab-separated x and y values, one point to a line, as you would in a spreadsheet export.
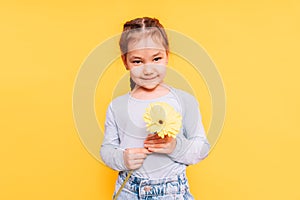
115	157
192	146
111	153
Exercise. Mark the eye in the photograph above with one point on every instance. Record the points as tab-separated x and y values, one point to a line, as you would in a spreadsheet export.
137	61
157	59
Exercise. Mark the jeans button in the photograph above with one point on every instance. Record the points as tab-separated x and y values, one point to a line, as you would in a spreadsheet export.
147	188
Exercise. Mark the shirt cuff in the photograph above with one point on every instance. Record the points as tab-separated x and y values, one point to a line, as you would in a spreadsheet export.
119	160
177	149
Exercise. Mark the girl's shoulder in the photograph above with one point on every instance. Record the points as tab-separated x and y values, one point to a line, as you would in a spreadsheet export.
120	99
184	95
118	102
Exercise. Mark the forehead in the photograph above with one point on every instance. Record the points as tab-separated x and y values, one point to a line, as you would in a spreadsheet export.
145	43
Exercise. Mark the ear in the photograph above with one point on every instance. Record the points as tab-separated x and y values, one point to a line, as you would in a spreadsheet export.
167	53
124	61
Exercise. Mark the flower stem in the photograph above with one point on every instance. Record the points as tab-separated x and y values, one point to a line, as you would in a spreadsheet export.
122	186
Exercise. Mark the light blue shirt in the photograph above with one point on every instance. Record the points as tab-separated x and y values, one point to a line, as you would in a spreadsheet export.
125	128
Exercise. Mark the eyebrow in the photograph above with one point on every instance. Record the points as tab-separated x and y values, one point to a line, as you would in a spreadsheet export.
134	57
137	57
156	54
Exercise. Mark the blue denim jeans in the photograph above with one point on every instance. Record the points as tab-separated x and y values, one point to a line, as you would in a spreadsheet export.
173	188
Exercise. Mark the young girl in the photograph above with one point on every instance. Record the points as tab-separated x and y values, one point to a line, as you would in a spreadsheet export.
158	164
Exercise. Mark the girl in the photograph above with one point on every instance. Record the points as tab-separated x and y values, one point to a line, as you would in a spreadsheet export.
158	164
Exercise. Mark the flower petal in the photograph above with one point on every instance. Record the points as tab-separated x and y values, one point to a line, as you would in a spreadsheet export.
163	119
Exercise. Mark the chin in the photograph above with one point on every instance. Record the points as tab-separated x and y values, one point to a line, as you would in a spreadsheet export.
150	86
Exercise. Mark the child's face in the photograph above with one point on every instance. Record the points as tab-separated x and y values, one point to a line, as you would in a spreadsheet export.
147	62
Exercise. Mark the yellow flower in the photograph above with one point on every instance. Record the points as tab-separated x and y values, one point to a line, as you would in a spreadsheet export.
163	119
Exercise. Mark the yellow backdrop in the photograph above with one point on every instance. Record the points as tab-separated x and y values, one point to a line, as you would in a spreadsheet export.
254	44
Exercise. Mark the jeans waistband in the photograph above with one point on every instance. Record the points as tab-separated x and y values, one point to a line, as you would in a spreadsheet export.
155	187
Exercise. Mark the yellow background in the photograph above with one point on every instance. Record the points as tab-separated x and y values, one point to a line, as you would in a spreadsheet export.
255	45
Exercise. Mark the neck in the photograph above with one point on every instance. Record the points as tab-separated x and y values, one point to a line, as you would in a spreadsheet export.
144	93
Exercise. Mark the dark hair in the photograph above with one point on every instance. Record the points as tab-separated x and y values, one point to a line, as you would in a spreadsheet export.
138	28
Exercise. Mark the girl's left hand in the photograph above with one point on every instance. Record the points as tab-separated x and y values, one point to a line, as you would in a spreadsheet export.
154	143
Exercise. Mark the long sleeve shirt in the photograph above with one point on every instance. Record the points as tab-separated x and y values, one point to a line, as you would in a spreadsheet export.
125	128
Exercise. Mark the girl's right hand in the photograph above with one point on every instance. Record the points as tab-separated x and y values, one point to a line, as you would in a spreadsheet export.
134	157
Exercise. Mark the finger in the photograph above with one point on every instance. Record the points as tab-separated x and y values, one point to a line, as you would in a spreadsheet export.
135	156
137	150
157	137
149	146
139	161
157	141
139	156
157	150
152	137
136	162
136	166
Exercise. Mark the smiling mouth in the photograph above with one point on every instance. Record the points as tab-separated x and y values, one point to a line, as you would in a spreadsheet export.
149	78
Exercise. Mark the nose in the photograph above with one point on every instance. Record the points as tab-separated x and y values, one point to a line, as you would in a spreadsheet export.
147	70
